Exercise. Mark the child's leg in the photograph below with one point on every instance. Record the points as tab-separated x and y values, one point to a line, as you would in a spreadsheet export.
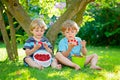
55	64
92	59
62	59
31	63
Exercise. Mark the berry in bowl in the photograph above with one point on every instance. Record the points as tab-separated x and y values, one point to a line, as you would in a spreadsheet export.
43	58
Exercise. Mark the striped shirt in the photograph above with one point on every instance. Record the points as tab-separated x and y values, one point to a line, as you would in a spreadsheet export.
29	44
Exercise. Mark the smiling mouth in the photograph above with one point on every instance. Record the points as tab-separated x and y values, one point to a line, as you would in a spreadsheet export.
70	36
38	35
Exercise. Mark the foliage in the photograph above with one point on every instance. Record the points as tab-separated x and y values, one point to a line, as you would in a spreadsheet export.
43	8
107	3
21	39
101	19
103	28
108	60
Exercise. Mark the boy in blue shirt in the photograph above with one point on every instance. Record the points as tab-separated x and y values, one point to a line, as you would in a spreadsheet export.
71	45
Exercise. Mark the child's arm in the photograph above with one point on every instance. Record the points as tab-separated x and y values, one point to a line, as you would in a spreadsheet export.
30	51
84	49
47	48
70	46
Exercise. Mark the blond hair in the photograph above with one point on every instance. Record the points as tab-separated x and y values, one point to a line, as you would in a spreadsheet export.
38	23
69	24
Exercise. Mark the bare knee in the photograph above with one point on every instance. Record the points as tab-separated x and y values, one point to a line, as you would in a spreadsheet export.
58	54
27	59
54	60
95	55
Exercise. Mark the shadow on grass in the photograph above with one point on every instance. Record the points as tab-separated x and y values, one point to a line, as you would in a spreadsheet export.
9	69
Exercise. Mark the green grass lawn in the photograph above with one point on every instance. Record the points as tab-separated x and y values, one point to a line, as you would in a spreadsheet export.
109	60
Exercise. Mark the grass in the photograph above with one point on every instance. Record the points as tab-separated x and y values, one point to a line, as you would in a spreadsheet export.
109	60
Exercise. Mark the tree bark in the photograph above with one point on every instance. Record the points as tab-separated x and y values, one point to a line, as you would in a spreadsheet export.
5	37
19	13
78	18
68	3
13	37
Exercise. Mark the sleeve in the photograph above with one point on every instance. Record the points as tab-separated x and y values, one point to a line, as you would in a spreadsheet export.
62	46
48	43
28	45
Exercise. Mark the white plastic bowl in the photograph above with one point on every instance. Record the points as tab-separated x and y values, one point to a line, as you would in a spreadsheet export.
44	62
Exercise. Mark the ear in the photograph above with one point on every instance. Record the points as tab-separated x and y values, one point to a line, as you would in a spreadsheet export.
63	33
76	31
31	31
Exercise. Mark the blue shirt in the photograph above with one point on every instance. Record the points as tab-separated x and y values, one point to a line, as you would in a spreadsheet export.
63	46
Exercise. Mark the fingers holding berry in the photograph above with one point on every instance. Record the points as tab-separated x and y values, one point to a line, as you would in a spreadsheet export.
74	42
37	45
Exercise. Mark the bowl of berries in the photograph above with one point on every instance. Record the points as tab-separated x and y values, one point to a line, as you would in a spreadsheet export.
43	58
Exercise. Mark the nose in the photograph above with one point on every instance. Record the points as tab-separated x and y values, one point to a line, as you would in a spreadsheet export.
70	33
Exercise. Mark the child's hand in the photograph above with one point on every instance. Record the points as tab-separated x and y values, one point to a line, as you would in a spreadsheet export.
72	43
38	45
83	42
46	47
45	44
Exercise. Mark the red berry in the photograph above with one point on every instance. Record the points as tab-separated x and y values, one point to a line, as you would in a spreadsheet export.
42	57
40	42
74	40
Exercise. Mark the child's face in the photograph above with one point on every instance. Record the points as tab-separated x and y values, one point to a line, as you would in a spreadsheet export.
38	32
70	34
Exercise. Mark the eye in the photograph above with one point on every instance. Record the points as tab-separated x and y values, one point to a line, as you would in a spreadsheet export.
42	30
73	31
36	30
67	32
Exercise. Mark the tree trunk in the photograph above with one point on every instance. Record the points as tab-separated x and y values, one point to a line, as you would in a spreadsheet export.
12	36
68	3
5	37
78	18
73	9
19	13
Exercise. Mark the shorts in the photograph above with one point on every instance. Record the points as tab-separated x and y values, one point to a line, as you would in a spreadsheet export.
25	63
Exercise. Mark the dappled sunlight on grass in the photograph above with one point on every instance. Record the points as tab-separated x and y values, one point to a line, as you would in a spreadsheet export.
91	52
101	51
21	74
117	68
111	75
108	60
3	54
105	56
21	54
66	73
80	76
